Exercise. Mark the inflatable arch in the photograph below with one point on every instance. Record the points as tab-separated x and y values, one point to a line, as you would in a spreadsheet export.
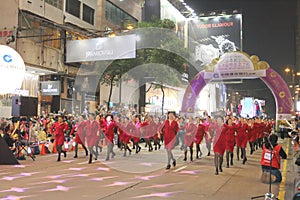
236	65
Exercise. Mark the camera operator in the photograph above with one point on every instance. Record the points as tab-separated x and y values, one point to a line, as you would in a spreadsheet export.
272	148
9	138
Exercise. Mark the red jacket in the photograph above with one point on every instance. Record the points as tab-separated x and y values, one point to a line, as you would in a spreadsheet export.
59	132
92	128
200	133
109	131
170	131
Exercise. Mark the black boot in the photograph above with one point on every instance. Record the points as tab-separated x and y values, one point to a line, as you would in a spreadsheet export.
76	151
191	153
185	153
86	151
227	159
216	161
197	151
168	167
238	153
231	159
217	172
91	158
65	154
221	163
174	163
58	159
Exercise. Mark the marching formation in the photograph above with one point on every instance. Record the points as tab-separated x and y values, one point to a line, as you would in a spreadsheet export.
94	131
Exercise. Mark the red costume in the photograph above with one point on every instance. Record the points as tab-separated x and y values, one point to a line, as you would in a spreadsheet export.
110	132
59	132
219	140
229	139
92	128
252	132
200	133
80	135
127	129
242	135
170	131
136	132
190	134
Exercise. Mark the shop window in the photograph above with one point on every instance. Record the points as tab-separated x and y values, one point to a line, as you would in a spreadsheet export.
56	3
73	7
116	15
54	40
88	14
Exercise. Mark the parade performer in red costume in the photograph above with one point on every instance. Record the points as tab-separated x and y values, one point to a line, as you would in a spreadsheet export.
229	141
136	134
208	135
79	130
60	128
242	139
125	136
219	144
199	137
171	128
92	134
190	132
109	136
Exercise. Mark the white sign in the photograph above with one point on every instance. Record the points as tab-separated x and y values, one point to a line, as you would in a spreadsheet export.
22	92
12	70
50	88
96	49
234	74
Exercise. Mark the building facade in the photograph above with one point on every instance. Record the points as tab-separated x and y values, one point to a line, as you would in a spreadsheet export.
39	30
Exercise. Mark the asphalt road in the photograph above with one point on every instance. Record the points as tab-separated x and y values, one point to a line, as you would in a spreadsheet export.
139	176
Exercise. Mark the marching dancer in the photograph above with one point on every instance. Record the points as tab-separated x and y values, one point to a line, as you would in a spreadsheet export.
189	137
155	136
219	144
229	140
242	139
60	128
136	133
208	135
199	137
109	136
170	130
92	134
124	129
80	135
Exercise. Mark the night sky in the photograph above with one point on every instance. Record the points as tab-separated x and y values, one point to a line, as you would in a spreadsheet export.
268	32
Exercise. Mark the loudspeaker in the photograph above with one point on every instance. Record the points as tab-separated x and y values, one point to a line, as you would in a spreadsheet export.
24	106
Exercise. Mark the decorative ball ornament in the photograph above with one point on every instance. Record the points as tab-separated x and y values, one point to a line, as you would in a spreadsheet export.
12	68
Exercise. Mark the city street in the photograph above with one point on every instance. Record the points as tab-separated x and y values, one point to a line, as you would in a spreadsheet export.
141	176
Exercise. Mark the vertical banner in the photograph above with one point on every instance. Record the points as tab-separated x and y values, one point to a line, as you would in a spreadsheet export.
211	37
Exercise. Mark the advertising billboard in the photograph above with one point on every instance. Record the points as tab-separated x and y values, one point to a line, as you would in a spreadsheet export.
97	49
211	37
50	88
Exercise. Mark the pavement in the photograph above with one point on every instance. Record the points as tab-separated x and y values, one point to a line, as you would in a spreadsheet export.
138	176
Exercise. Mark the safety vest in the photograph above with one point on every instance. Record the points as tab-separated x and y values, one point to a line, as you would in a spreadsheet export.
266	157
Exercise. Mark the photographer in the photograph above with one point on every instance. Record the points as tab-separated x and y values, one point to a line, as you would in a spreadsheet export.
272	164
8	137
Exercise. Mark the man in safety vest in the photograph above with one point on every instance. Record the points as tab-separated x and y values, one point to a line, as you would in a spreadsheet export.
277	154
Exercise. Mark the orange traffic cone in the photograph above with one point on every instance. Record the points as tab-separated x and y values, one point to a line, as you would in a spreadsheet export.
43	150
54	147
